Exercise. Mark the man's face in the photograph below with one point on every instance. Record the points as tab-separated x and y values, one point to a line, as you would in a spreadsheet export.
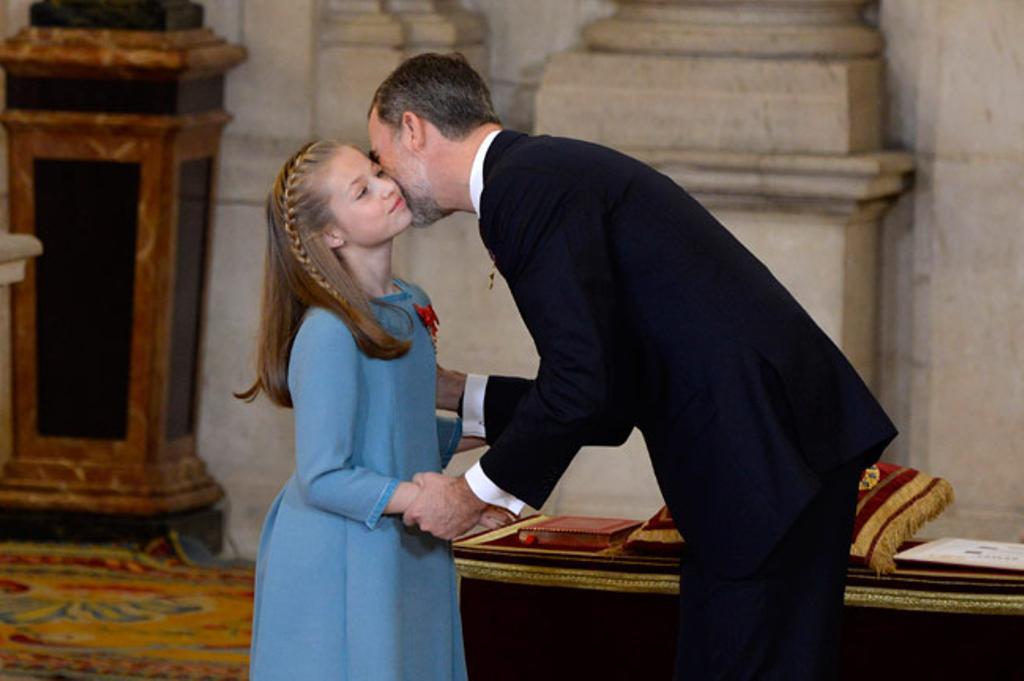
409	171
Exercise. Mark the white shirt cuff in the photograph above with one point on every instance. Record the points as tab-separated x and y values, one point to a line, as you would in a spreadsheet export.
487	491
473	406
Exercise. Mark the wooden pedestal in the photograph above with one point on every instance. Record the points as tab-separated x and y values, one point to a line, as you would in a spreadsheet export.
113	140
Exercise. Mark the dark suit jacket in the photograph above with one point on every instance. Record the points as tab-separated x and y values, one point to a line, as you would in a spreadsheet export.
647	312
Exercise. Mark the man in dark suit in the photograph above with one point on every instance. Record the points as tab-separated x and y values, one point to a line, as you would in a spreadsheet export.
647	312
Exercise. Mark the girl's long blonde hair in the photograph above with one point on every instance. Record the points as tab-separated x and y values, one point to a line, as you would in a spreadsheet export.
300	272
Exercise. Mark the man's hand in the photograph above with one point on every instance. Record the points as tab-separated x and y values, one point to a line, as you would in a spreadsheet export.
450	386
494	517
445	507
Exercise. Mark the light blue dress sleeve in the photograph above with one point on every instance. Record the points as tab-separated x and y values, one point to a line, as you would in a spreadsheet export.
449	432
324	380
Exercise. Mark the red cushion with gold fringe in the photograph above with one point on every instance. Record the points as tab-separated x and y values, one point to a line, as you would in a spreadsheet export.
892	504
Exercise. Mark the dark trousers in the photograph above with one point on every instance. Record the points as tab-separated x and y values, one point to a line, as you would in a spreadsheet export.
783	622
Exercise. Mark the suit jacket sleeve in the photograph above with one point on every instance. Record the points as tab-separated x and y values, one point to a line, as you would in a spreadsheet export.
549	244
500	401
505	392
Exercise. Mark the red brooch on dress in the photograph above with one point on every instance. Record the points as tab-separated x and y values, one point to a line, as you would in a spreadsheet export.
429	319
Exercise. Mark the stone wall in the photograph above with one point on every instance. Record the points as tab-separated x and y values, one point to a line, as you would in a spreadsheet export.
954	305
771	115
521	36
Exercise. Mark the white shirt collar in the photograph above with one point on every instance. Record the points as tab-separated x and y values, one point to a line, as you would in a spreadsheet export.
476	174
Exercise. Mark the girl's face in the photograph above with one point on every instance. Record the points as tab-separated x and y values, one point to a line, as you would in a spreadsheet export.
368	208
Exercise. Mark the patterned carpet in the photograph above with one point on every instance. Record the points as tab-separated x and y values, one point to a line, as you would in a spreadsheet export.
93	613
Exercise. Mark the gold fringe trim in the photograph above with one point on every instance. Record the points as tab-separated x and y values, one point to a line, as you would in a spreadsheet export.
902	523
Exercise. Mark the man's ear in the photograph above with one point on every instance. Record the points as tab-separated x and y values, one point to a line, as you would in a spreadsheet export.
333	237
414	132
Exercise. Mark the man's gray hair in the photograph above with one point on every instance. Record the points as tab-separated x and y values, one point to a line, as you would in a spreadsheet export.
440	88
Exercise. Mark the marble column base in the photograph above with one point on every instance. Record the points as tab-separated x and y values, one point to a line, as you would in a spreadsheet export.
15	252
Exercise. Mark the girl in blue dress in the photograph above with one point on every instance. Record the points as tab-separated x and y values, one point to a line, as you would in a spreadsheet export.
344	590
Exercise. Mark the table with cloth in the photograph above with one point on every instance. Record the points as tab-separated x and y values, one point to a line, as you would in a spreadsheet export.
549	613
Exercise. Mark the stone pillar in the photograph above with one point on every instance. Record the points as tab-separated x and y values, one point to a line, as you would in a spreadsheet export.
359	45
15	252
441	26
433	26
954	71
362	41
520	38
770	114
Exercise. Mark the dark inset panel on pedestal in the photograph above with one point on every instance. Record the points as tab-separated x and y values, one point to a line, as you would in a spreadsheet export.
190	266
135	15
116	96
86	217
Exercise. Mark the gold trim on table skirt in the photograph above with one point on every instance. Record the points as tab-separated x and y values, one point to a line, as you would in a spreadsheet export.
934	601
572	578
856	596
879	592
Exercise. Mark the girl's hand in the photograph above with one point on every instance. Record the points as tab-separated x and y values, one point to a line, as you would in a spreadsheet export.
402	497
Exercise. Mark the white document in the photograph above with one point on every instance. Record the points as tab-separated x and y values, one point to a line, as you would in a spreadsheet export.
971	552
